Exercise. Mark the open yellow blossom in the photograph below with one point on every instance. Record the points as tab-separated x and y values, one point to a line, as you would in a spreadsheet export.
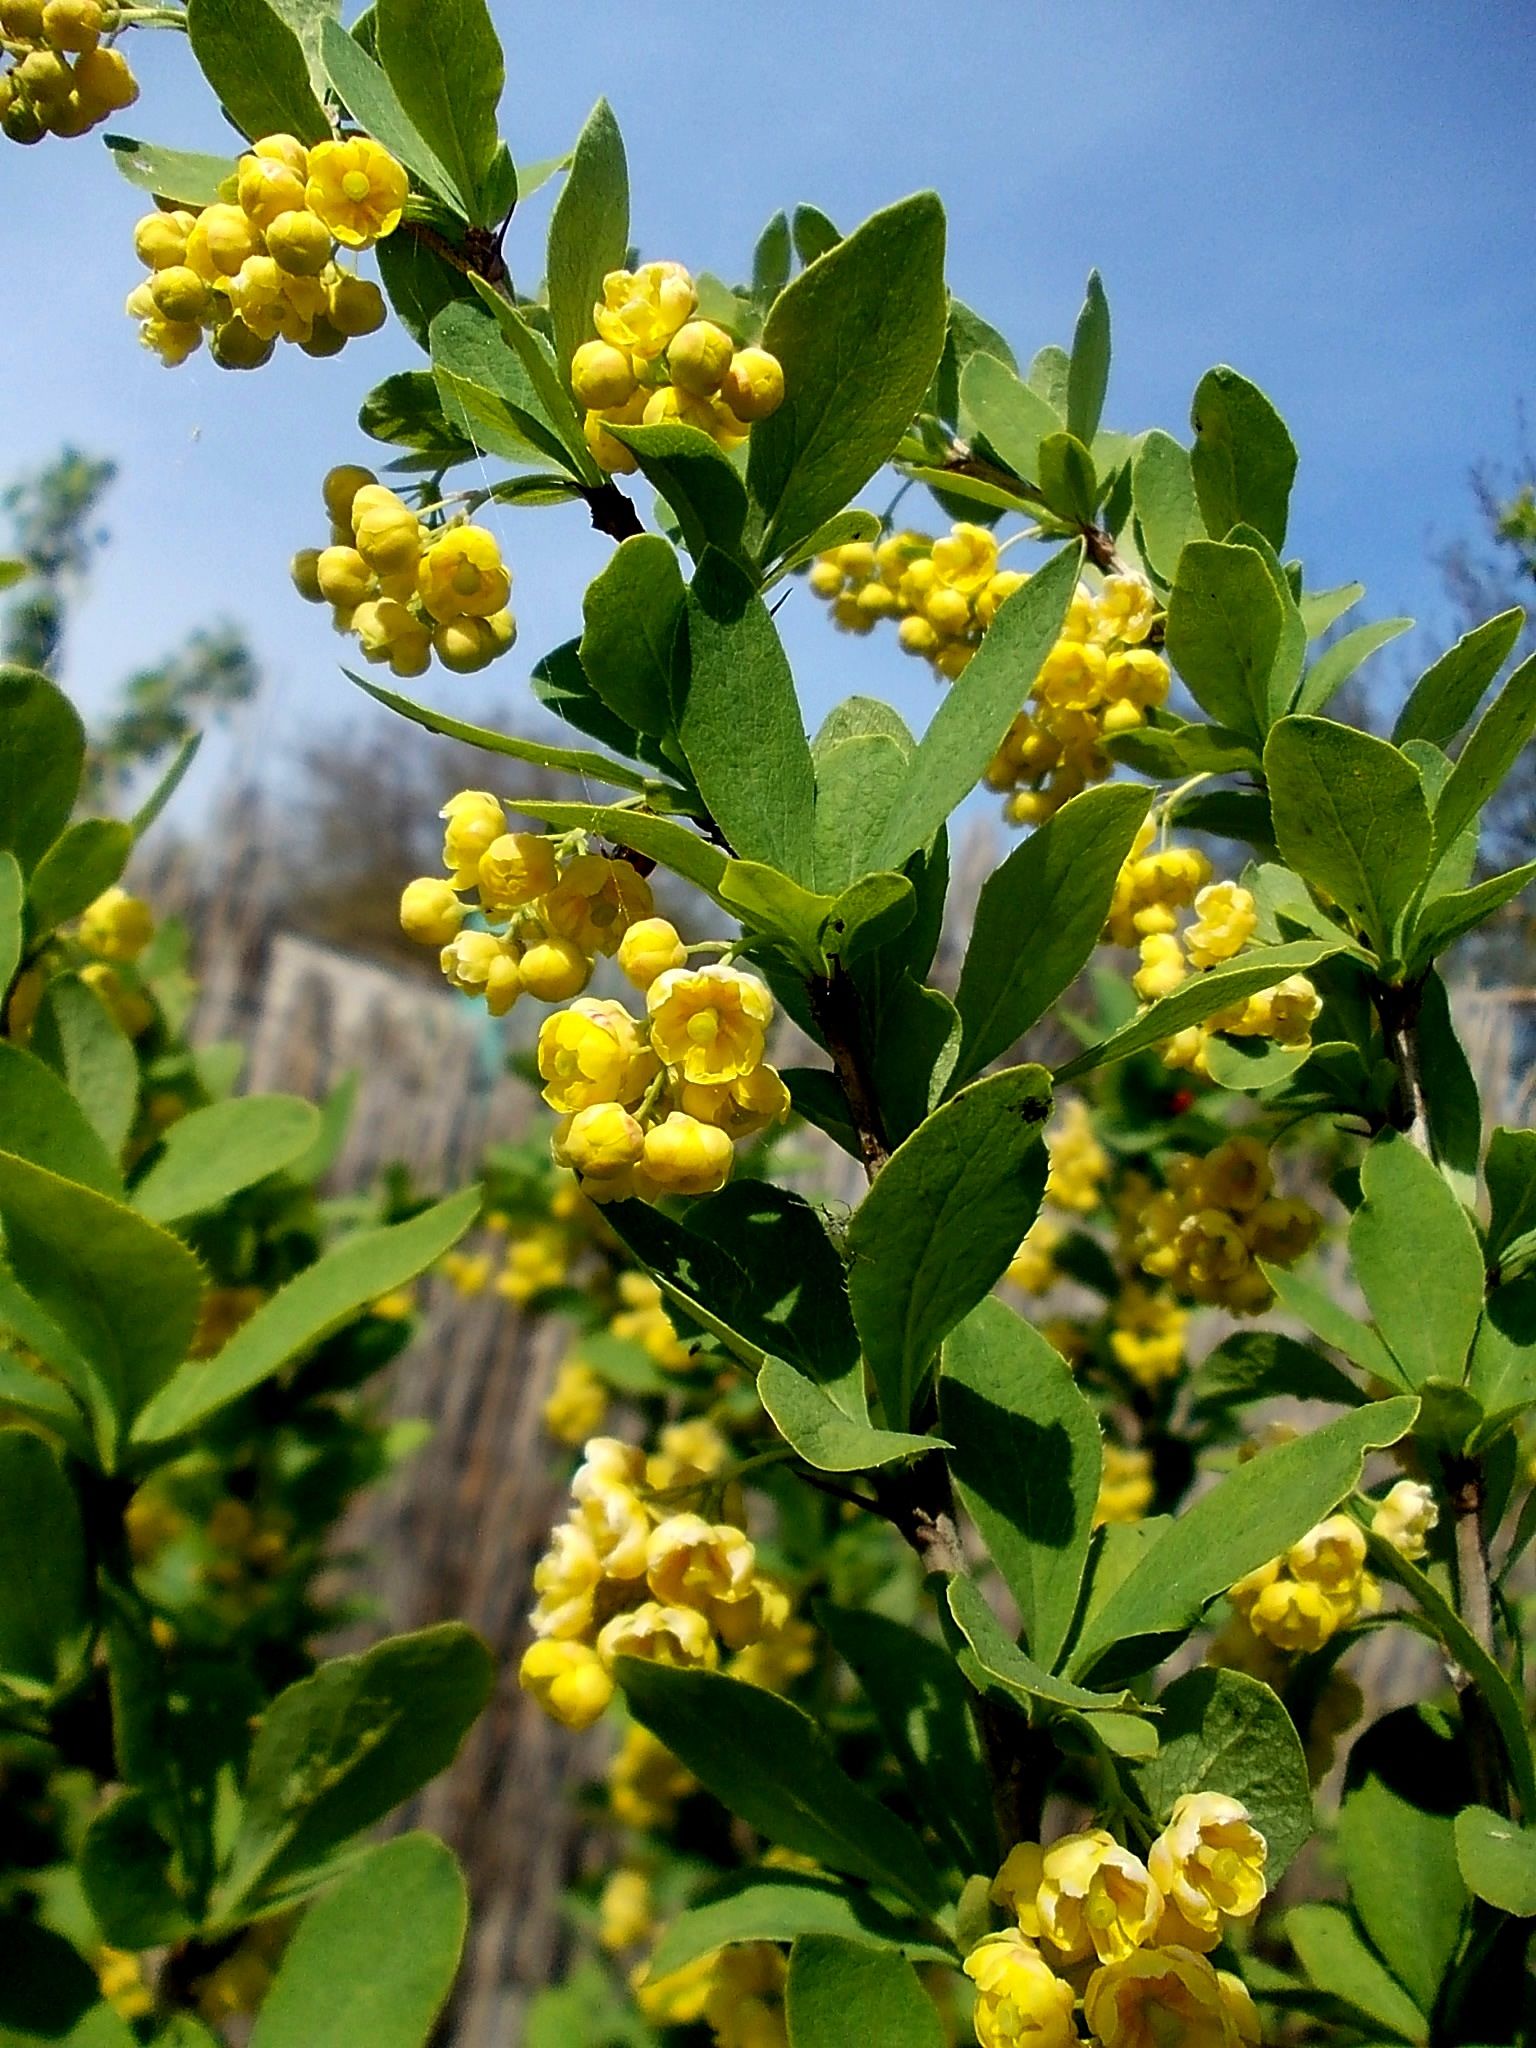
358	190
678	1636
1405	1517
565	1579
692	1563
1209	1865
1226	918
1094	1897
708	1023
462	575
685	1157
568	1680
641	310
1020	2001
741	1107
1154	1998
480	964
515	869
586	1054
595	902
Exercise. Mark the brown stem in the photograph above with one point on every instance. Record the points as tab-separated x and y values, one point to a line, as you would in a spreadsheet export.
612	513
835	1003
1398	1010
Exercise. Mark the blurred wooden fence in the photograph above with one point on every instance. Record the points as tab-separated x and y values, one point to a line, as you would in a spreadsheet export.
457	1534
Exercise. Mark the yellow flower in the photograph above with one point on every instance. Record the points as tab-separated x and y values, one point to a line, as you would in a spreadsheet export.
708	1023
699	356
1209	1865
267	189
646	1781
1033	1266
116	926
1226	919
537	1261
121	1977
692	1563
462	575
1124	610
565	1580
601	376
515	869
1405	1517
568	1680
160	239
678	1636
679	1998
602	1141
1020	2001
648	948
355	304
641	310
1093	1897
1147	1337
739	1107
595	902
624	1915
475	821
388	536
576	1404
299	242
1079	1163
357	189
684	1157
554	970
430	913
1126	1489
1157	1997
687	1453
587	1054
1163	967
480	964
753	384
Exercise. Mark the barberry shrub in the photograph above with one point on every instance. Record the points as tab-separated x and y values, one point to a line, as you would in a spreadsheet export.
1005	1648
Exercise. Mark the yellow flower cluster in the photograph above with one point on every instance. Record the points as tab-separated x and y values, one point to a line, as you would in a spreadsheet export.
120	1975
259	265
737	1992
1135	1935
944	592
1146	1334
61	79
624	1577
656	363
407	591
1218	1216
551	907
1154	888
1300	1600
577	1403
654	1106
1126	1486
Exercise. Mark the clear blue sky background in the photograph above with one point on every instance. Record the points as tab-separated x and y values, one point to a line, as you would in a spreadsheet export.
1336	199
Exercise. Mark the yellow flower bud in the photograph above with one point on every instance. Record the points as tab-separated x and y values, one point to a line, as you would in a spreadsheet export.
624	1916
648	949
430	913
603	1140
298	241
322	339
388	631
568	1681
267	189
160	239
116	926
474	819
220	240
554	970
480	964
685	1157
73	25
463	645
515	869
235	346
341	487
753	384
387	531
1163	967
601	376
916	635
304	572
180	294
356	306
357	189
343	576
283	149
699	356
22	20
671	407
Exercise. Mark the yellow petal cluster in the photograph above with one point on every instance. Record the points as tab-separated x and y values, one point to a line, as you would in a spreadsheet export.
259	264
1206	1230
1301	1599
655	362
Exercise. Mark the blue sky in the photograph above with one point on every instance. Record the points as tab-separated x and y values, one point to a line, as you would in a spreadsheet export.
1336	199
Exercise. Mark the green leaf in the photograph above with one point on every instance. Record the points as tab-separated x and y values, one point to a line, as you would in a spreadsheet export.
1338	1962
778	1905
821	1431
770	1764
45	1609
12	896
1039	917
1027	1461
406	411
45	1125
1224	629
1222	1731
257	67
216	1152
1494	745
937	1230
177	174
39	765
697	479
387	1938
1201	996
977	711
564	688
630	619
300	1315
1261	1365
1251	1516
537	357
486	389
1006	414
924	1712
1088	368
1336	664
340	1749
1497	1859
1068	483
1167	512
77	1035
795	1297
127	1879
419	283
1417	1259
1243	461
573	760
1321	609
1404	1782
588	231
739	723
854	524
83	861
167	785
771	260
859	334
995	1664
1351	817
1444	919
123	1293
373	103
49	1996
674	846
443	58
1510	1170
1450	689
25	1391
831	1979
857	781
